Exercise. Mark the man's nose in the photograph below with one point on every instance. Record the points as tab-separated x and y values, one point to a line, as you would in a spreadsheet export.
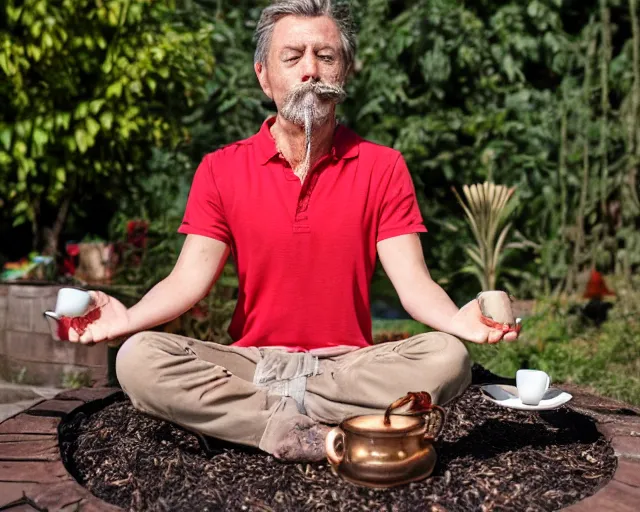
310	68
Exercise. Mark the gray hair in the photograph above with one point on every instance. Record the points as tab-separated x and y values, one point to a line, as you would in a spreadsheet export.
337	10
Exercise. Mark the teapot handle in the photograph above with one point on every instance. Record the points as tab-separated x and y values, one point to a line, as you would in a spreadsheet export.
436	411
330	446
420	403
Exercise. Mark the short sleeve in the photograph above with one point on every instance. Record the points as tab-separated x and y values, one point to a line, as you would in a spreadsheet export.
204	214
399	211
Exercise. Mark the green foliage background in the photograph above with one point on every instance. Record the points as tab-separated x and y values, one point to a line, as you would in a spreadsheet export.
115	102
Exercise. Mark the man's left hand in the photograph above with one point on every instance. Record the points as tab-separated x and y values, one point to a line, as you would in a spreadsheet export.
467	324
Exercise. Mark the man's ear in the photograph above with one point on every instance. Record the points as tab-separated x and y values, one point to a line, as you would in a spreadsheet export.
261	73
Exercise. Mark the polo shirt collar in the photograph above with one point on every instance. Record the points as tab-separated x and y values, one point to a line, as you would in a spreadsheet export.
345	142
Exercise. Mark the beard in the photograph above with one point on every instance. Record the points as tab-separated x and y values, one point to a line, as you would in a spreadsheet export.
309	105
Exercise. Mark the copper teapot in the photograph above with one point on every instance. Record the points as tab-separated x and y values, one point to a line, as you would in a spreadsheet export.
387	450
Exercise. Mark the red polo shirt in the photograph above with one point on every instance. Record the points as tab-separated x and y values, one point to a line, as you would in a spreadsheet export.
305	254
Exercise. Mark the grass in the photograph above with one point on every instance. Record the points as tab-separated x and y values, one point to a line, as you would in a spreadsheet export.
407	326
605	359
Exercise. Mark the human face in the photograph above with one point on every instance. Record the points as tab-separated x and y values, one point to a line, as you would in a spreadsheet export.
304	51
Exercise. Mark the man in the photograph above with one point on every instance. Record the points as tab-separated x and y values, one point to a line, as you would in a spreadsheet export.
304	207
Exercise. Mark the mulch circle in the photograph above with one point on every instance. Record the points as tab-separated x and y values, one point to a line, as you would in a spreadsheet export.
490	458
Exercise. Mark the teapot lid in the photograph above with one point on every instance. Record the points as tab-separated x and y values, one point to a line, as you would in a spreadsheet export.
374	423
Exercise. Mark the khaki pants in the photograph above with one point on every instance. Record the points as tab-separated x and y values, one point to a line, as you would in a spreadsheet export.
208	388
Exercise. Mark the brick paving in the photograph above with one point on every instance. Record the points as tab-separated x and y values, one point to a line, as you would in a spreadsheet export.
33	478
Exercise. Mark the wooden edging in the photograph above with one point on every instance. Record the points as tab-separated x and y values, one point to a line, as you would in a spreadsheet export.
33	477
619	423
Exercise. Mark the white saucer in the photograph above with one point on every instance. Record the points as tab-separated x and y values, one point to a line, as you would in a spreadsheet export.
507	396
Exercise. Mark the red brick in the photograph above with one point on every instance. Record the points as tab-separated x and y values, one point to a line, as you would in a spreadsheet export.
94	504
27	424
614	497
36	472
628	472
626	446
23	507
87	394
54	407
13	491
582	398
60	495
25	438
35	450
611	430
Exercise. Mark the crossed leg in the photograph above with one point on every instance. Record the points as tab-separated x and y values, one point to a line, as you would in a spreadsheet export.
208	388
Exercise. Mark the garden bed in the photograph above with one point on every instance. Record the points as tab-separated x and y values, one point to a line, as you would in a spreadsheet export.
489	458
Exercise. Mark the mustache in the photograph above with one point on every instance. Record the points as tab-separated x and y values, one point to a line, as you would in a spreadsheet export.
323	91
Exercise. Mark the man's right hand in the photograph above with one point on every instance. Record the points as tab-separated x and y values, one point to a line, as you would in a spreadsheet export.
112	322
200	263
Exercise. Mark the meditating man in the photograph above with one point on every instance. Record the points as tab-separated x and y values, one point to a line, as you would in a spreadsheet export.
304	207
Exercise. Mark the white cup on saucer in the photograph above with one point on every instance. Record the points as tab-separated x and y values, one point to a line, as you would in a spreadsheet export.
532	385
72	302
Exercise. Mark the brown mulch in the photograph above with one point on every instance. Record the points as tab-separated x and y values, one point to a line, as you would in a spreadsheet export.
490	458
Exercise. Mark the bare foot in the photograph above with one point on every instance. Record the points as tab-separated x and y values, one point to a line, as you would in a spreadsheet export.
303	444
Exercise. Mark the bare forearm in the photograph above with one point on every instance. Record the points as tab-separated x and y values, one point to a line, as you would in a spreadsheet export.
164	302
198	267
426	301
200	263
430	305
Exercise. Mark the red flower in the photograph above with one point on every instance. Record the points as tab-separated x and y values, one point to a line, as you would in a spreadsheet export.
73	250
596	287
137	233
68	267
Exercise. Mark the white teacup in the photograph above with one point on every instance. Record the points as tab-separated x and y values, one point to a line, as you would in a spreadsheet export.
72	302
532	385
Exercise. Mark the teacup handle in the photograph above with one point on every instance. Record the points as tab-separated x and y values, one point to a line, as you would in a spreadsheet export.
330	445
437	411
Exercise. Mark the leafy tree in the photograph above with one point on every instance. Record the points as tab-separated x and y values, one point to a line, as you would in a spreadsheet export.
529	94
89	89
233	108
448	84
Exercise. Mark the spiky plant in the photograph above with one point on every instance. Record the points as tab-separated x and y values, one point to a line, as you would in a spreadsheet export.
487	208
